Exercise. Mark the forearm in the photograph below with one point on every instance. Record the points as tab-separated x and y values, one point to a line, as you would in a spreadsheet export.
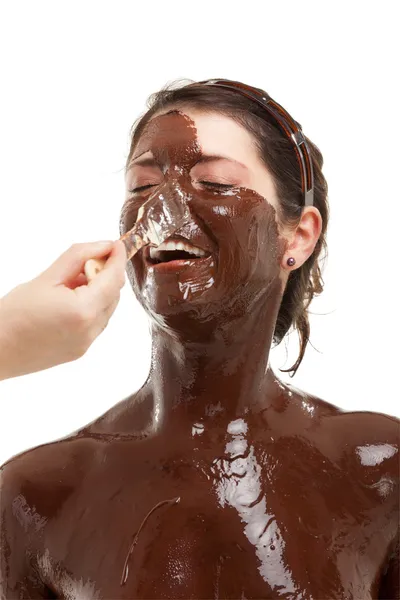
16	344
8	358
27	342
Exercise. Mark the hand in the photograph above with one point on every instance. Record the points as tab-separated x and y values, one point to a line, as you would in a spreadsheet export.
54	318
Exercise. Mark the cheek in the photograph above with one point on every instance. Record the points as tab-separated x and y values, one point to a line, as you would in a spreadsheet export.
261	247
264	241
245	228
129	212
128	216
135	272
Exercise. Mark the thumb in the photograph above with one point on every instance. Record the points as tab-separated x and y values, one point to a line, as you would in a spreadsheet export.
103	288
71	263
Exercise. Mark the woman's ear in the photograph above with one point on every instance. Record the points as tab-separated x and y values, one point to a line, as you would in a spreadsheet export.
302	241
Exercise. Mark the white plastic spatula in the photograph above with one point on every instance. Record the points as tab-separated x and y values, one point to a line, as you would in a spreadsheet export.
155	223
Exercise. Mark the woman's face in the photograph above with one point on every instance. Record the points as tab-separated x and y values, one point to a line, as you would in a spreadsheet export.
228	255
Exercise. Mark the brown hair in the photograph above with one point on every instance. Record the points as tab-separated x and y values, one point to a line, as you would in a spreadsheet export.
278	154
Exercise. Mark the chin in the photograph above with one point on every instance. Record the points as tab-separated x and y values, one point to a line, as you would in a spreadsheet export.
197	296
177	287
184	301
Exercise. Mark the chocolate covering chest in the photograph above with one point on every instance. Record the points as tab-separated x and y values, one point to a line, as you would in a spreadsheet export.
215	480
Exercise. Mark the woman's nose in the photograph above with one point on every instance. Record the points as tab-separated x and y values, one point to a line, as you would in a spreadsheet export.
168	203
166	209
171	192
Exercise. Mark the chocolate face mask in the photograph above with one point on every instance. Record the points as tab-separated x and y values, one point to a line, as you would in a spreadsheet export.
224	258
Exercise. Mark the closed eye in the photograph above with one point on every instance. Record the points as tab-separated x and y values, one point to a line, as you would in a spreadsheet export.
141	188
209	184
217	186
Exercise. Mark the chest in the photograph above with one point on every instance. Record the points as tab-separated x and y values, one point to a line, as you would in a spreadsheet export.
247	524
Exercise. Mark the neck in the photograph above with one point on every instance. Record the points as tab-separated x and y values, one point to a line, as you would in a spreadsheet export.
224	375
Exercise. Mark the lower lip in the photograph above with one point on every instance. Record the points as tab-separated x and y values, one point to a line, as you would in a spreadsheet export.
178	265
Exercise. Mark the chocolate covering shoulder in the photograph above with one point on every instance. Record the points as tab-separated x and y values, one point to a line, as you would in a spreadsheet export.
215	480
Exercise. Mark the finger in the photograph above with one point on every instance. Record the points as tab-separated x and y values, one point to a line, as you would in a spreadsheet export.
117	260
105	287
93	266
71	263
75	282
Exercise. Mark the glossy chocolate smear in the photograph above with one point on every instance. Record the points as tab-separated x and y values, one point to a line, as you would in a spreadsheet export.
236	228
214	480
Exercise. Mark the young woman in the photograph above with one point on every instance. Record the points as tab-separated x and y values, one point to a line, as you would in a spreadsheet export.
215	480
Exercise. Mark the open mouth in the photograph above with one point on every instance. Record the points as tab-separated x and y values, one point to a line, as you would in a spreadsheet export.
171	251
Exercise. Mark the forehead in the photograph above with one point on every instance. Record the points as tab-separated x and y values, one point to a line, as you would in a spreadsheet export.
192	130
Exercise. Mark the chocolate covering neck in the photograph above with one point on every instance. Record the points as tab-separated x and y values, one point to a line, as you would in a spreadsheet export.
212	324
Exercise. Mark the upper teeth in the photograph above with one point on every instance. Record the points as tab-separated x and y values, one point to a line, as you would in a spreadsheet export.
166	246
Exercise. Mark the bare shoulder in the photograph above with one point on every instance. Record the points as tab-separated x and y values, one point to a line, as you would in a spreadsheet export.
129	418
372	441
64	463
364	440
35	482
369	428
48	474
35	488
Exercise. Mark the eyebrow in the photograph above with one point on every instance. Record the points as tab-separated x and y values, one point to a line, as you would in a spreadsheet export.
215	157
146	161
150	161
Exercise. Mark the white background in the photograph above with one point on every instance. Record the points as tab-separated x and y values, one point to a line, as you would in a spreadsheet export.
75	75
